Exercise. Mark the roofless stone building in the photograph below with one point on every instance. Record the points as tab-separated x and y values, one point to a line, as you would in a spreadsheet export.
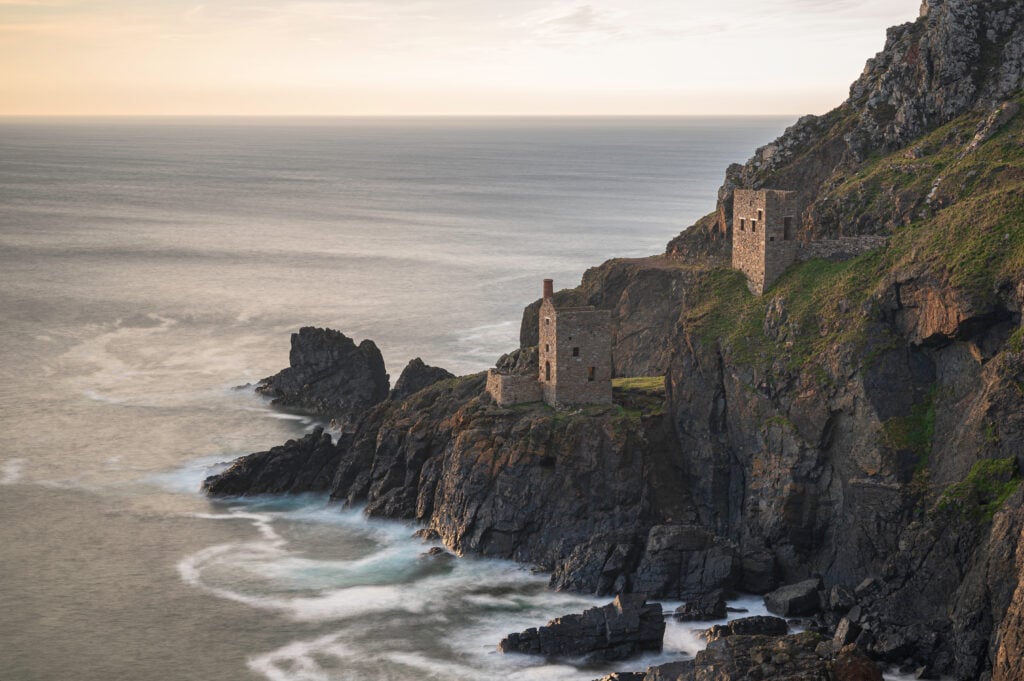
765	242
575	359
764	229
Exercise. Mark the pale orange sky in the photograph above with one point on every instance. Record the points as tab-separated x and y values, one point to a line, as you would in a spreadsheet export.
436	57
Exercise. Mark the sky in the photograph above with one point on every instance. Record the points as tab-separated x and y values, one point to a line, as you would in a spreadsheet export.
436	57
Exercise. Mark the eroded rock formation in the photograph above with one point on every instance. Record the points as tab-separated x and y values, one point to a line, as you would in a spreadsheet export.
329	375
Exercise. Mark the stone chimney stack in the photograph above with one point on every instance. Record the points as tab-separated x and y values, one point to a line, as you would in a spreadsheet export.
549	289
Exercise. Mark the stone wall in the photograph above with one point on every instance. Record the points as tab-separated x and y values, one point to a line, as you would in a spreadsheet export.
842	248
547	349
509	389
582	370
747	241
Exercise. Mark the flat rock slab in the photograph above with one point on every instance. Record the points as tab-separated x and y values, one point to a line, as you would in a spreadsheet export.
794	600
626	627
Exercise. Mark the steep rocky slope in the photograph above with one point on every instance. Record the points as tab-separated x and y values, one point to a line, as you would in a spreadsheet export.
862	421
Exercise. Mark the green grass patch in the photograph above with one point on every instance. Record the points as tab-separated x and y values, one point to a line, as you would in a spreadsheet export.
821	302
970	237
989	484
1016	341
915	431
649	384
639	396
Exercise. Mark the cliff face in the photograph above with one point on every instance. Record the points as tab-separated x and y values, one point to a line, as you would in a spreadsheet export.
863	420
959	57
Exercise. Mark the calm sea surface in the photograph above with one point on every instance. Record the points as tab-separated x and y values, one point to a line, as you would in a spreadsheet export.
147	267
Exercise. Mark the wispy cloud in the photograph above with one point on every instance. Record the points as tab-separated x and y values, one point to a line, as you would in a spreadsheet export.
587	24
582	21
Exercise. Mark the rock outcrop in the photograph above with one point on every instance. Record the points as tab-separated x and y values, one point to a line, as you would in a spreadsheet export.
329	375
627	627
415	377
758	625
798	657
710	605
794	600
304	465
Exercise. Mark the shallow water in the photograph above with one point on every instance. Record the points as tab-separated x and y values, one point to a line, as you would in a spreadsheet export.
148	268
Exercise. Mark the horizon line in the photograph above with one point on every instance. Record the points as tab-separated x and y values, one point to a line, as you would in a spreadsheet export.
392	116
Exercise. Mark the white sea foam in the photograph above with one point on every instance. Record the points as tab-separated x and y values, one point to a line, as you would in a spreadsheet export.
188	478
456	611
11	471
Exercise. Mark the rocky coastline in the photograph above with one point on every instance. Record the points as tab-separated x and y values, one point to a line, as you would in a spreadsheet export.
850	444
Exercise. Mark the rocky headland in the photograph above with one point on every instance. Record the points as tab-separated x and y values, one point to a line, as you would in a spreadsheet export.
850	443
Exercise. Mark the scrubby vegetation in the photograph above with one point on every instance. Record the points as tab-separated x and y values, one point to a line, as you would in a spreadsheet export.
966	228
983	491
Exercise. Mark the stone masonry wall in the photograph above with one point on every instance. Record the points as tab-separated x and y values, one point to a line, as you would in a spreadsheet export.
583	365
842	248
747	241
509	389
764	232
547	350
780	242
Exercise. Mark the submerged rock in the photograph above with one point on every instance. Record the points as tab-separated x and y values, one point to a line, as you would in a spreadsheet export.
626	627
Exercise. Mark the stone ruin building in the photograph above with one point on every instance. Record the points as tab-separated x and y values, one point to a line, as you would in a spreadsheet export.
575	359
765	229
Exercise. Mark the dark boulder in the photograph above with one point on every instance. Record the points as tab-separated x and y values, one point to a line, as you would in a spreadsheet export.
758	625
846	632
622	629
795	599
329	375
416	376
684	561
853	665
672	671
841	599
710	606
742	658
303	465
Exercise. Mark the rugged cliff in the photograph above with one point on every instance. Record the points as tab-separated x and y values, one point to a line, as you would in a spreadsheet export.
863	421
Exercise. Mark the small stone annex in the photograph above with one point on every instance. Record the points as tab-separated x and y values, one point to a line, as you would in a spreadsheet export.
765	229
575	359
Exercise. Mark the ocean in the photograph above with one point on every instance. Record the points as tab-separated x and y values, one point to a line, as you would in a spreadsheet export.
151	268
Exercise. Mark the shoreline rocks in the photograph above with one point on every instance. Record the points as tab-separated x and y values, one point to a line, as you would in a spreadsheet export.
303	465
625	628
